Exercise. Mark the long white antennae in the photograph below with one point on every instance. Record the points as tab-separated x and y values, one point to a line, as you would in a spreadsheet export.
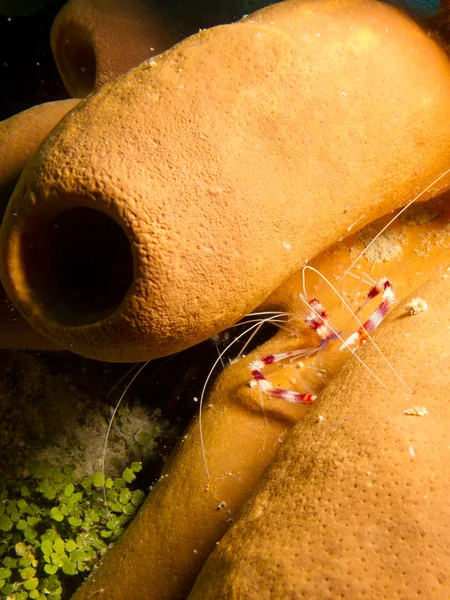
337	334
105	443
135	376
257	324
276	322
255	332
394	218
130	370
346	304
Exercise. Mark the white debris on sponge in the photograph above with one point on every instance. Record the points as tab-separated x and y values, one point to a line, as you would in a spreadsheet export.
416	411
416	306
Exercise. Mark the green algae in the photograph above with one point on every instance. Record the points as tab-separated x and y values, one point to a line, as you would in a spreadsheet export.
55	528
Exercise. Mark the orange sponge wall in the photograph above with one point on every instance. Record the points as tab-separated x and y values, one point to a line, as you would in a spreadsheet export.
94	42
177	198
20	137
354	505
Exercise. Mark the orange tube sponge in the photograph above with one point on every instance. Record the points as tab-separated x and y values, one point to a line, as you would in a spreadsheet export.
20	137
189	509
355	503
95	41
180	196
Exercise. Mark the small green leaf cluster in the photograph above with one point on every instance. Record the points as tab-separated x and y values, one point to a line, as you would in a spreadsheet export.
53	527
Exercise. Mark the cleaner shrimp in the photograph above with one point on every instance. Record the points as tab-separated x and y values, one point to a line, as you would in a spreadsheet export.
317	298
317	319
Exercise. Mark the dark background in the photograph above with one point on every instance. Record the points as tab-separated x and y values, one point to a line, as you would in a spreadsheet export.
28	73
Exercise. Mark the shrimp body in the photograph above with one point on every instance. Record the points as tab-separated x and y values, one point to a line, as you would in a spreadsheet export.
276	392
384	287
317	320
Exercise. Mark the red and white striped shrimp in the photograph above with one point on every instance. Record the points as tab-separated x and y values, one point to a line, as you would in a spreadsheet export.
318	321
319	325
384	287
